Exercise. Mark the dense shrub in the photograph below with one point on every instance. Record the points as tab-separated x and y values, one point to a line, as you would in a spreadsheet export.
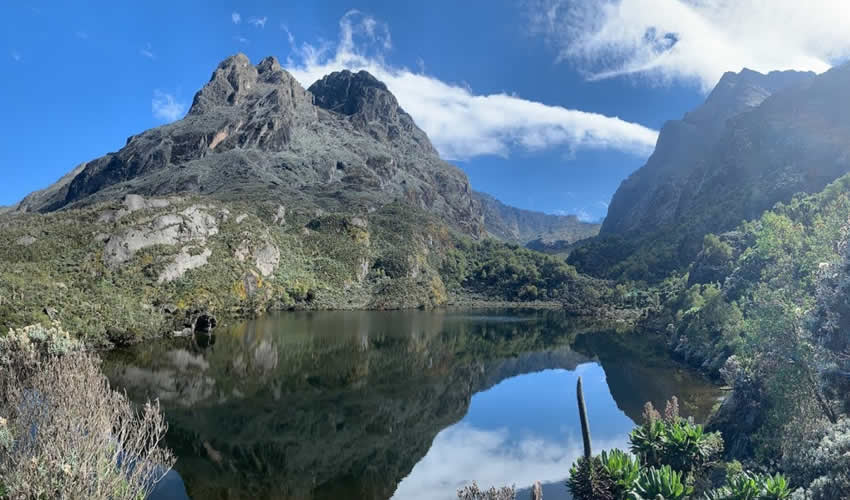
64	433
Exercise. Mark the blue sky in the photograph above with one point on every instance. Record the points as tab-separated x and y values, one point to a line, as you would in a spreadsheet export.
546	104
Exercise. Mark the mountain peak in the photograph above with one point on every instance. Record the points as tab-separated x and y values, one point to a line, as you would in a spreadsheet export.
348	93
235	79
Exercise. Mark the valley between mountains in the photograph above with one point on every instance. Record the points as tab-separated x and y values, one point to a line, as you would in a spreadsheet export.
729	248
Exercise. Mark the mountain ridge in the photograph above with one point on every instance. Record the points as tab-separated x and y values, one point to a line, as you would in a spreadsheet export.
253	131
756	141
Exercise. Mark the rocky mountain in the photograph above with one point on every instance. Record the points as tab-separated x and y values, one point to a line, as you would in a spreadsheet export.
345	143
708	145
254	132
265	196
757	140
520	226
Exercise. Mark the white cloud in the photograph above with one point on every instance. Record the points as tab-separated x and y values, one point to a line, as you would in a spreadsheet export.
583	215
460	123
259	22
463	453
147	51
165	106
694	40
241	39
236	18
289	36
16	56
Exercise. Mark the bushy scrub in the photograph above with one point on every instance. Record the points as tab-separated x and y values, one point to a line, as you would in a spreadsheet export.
64	433
474	492
825	466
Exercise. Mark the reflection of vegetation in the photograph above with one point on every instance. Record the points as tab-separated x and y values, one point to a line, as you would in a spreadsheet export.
259	410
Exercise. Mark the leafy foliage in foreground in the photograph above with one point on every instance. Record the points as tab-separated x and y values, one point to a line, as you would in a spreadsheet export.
670	456
765	308
64	433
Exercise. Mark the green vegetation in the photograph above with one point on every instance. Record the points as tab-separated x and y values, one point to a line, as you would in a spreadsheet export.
763	308
64	433
59	266
673	459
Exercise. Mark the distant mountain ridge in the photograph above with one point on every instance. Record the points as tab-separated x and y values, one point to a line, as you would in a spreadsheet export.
521	226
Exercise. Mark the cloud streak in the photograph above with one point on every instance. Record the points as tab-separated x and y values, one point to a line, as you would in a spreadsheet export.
461	123
147	51
259	22
165	106
693	41
236	18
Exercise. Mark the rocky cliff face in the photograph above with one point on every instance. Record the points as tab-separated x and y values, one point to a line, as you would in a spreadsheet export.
254	132
755	141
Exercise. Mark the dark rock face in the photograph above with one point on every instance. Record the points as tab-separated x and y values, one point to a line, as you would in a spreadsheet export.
756	140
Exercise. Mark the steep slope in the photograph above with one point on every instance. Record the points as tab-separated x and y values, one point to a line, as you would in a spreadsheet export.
254	132
520	226
265	196
685	160
345	143
756	141
765	307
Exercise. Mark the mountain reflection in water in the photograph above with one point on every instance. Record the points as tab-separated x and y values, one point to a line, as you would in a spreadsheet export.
402	405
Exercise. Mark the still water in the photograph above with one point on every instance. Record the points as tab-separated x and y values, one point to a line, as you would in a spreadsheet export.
395	405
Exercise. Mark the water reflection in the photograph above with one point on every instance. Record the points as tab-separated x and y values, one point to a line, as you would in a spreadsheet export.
380	405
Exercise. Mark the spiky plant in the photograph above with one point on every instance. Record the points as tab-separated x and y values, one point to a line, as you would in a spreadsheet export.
660	484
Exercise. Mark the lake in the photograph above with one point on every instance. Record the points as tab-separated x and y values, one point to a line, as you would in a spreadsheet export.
399	405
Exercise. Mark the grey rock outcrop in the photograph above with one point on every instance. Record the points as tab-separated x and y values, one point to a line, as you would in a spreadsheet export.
192	225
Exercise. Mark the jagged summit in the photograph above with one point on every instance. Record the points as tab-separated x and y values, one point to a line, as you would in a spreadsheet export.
739	92
349	93
236	81
253	132
370	106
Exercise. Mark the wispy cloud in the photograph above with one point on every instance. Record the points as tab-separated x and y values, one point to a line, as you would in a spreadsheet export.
82	35
241	39
16	56
165	106
147	51
236	18
259	22
693	40
289	36
461	123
